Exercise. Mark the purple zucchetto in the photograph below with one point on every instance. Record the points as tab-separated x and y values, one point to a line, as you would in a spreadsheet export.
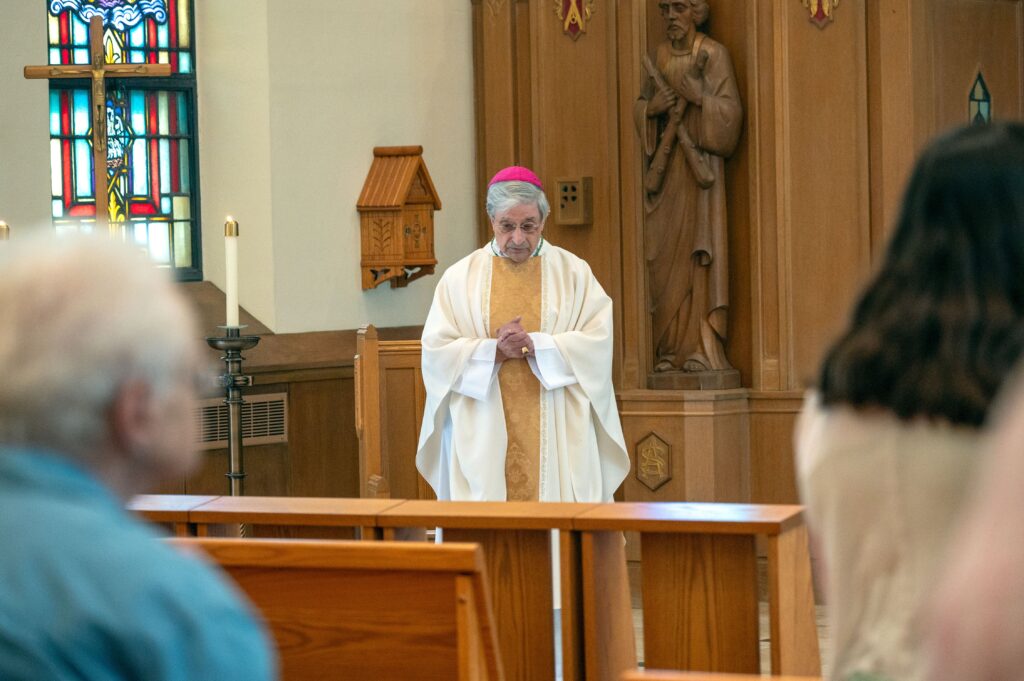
516	174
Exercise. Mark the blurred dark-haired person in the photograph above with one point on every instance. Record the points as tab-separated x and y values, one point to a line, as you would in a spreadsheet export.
98	361
891	437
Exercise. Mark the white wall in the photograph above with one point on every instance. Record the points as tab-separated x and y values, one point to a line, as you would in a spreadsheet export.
344	76
24	118
233	80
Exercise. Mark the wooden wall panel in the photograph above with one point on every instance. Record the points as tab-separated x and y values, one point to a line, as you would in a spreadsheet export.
642	419
403	393
634	351
322	441
923	58
765	211
732	24
707	435
551	102
897	126
972	35
266	468
317	461
825	234
576	116
502	70
810	191
772	467
732	454
320	458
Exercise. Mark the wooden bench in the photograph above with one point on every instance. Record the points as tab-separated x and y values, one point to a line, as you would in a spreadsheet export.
699	578
390	398
516	539
363	610
699	583
169	510
291	517
664	675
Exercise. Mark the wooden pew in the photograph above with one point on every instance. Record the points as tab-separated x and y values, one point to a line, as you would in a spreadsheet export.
389	409
516	539
169	510
663	675
699	583
699	575
291	517
363	610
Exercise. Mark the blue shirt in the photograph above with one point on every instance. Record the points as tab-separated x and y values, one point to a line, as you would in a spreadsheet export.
89	592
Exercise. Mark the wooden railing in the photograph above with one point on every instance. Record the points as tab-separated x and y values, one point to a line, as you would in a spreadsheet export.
699	573
660	675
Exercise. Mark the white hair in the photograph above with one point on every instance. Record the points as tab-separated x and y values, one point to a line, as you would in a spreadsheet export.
79	316
502	196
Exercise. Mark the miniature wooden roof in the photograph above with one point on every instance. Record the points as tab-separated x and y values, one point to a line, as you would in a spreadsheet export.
397	176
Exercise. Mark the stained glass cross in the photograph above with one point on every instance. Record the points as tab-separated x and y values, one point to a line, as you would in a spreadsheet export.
98	70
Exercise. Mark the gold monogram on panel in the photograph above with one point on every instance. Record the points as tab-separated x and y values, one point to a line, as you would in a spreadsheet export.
653	462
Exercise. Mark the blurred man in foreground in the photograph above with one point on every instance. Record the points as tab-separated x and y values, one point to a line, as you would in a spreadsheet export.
98	361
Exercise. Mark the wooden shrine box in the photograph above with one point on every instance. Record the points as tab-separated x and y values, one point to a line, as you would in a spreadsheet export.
396	215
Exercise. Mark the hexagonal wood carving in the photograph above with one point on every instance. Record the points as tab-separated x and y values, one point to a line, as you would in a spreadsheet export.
653	462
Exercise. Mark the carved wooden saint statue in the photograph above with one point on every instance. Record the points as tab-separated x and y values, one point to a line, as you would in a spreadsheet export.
688	117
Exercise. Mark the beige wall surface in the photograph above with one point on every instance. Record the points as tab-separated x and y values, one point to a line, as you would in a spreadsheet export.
292	102
381	73
233	77
24	119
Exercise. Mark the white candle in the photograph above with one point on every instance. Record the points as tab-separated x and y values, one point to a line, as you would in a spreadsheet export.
231	269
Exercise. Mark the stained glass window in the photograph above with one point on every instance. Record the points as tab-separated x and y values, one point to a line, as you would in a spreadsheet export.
152	195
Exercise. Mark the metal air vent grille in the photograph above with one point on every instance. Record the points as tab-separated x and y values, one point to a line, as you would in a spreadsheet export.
264	421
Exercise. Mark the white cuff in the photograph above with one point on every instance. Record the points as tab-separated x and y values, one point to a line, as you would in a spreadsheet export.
476	378
547	363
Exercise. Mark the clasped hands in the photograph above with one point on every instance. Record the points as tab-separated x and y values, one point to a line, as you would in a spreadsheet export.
513	341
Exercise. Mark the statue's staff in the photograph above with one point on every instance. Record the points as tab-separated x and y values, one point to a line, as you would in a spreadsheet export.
675	129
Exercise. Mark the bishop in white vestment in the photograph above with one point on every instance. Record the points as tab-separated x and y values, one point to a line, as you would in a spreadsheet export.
517	360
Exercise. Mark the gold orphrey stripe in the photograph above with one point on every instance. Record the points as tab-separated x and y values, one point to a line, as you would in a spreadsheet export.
515	291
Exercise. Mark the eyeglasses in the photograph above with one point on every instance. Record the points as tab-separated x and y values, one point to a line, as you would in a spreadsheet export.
528	227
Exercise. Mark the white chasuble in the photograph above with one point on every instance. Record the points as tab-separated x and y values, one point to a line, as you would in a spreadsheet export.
546	428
